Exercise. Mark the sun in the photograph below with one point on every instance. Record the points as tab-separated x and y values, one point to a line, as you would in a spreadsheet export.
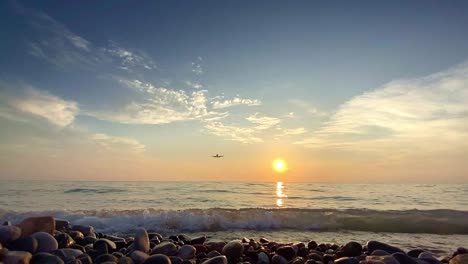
279	165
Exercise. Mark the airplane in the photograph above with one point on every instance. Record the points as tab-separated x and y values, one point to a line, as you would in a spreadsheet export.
217	156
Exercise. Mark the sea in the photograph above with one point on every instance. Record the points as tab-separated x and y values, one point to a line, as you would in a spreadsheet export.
433	217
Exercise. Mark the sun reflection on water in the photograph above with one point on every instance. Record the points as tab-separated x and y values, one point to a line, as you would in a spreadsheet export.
279	194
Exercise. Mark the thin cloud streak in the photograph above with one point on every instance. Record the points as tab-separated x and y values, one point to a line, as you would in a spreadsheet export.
425	114
28	102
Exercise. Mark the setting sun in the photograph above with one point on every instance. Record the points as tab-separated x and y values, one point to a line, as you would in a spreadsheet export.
279	165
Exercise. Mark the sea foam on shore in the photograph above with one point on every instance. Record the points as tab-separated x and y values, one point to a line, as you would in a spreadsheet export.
48	240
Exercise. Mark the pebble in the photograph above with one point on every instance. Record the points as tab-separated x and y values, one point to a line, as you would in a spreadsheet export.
187	252
61	224
346	260
33	225
277	259
216	260
286	251
198	240
428	257
28	244
67	253
176	260
213	254
106	258
125	260
45	242
158	259
17	257
389	259
104	245
262	258
166	248
200	248
312	244
141	241
352	249
76	235
138	256
233	249
459	259
298	260
9	233
86	230
404	259
379	252
374	245
64	240
414	252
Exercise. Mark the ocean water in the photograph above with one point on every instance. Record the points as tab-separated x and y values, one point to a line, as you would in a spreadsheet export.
433	217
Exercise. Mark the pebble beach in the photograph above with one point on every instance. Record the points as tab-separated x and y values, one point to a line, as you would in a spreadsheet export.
45	239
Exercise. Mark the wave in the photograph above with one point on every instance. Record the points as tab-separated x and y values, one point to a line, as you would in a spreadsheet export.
442	221
94	190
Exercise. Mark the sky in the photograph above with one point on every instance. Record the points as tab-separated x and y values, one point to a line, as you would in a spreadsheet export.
342	91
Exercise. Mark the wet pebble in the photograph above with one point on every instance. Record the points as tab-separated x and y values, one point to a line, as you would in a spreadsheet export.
352	249
187	252
141	241
459	259
9	233
28	244
32	225
158	259
138	256
389	259
17	257
45	242
262	258
374	245
64	240
216	260
233	249
86	230
277	259
379	252
286	251
106	258
166	248
176	260
404	259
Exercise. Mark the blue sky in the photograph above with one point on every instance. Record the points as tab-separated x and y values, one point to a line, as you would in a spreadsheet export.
344	91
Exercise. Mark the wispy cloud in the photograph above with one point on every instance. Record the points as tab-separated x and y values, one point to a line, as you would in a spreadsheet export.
57	44
161	106
117	144
263	122
63	48
423	114
220	102
294	131
231	132
252	133
307	107
194	85
31	102
130	59
197	67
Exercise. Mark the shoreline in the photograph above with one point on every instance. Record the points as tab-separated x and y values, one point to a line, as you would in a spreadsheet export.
41	239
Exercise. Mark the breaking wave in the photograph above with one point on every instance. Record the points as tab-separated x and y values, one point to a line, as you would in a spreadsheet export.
218	219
